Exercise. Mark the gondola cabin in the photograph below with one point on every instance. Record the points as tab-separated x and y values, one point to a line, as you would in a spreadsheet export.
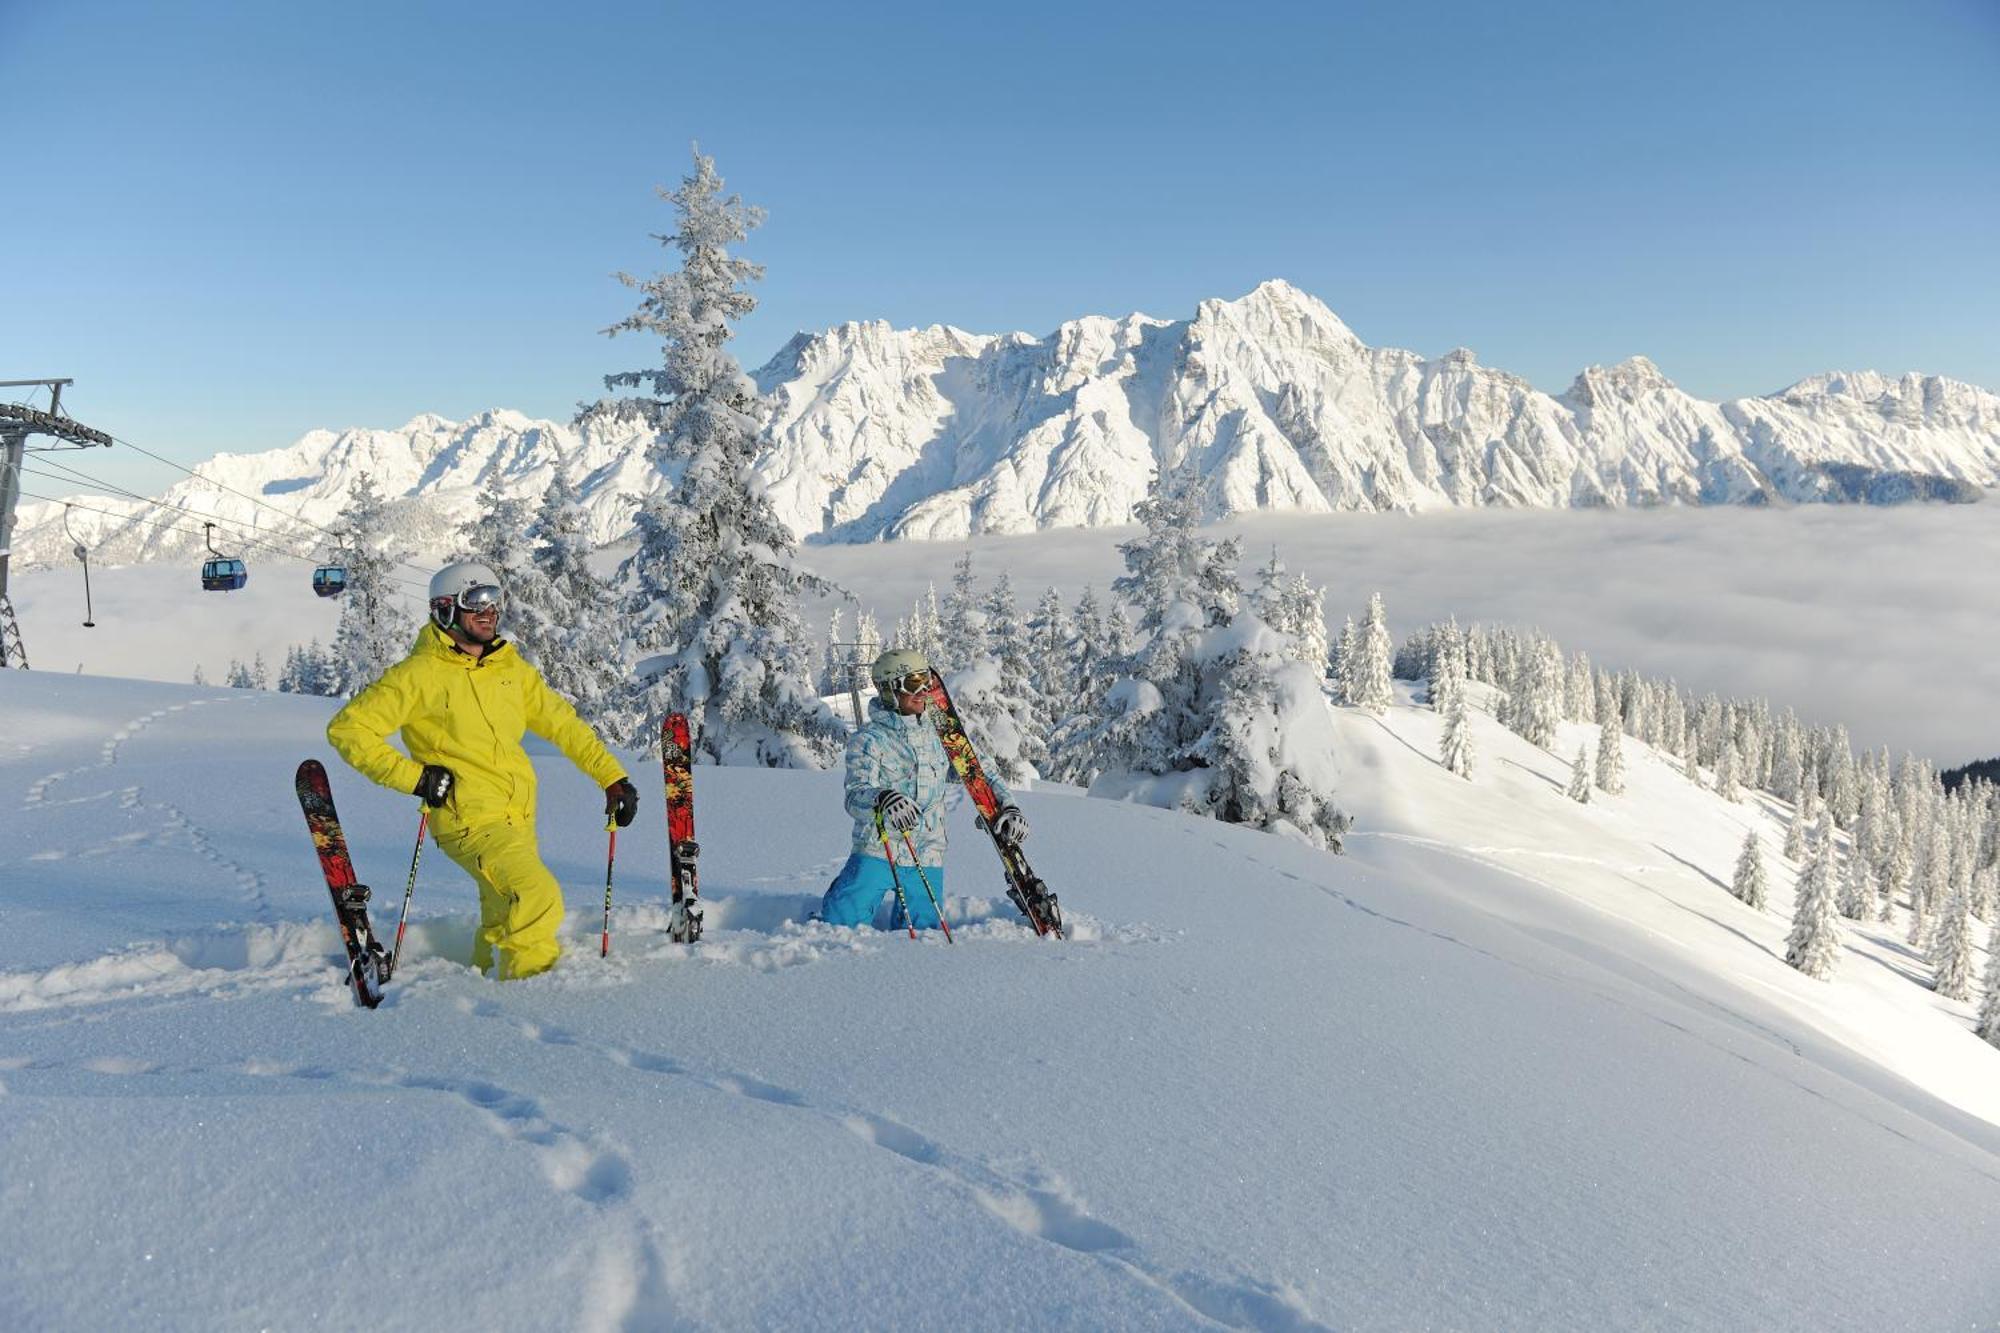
330	580
223	574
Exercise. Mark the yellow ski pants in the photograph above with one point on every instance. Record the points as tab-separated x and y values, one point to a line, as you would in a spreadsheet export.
520	902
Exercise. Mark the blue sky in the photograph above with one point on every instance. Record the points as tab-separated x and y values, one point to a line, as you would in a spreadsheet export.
235	222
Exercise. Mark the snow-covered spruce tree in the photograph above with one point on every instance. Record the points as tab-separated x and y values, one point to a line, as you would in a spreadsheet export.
1183	585
1052	666
963	631
374	631
1265	757
1796	833
238	676
1856	899
713	592
1611	756
308	670
833	667
1749	884
1989	1008
1951	947
1726	785
1534	699
1268	597
1346	657
995	697
1306	601
497	535
1579	776
1455	745
1814	944
568	616
1211	713
1371	668
1097	643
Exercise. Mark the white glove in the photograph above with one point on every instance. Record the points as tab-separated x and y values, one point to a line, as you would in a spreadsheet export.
898	811
1011	826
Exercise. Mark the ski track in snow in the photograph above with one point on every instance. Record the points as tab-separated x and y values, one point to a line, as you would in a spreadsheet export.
630	1274
178	821
1038	1204
627	1276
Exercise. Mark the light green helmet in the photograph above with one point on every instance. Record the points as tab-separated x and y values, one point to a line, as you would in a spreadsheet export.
894	665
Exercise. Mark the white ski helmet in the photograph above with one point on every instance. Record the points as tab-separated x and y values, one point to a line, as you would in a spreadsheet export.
894	665
465	585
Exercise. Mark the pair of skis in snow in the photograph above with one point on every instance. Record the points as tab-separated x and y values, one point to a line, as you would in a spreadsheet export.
369	966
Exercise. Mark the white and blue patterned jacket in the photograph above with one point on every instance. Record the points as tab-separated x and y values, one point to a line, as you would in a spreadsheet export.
893	752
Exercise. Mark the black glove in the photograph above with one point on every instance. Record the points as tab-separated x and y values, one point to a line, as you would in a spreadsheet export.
1011	826
436	785
621	802
898	811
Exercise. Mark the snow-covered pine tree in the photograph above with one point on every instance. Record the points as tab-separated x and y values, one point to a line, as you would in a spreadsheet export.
567	616
1306	602
260	672
1930	883
964	628
1371	669
497	536
1211	713
1798	830
1989	1007
238	676
1455	745
1579	777
308	670
1268	597
714	593
1346	662
1726	785
1183	585
1951	946
1264	758
1537	698
374	631
1052	665
199	677
833	667
1814	944
1611	755
1856	898
1749	884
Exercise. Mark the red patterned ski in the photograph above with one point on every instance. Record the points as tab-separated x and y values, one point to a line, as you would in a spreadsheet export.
1024	886
683	852
367	965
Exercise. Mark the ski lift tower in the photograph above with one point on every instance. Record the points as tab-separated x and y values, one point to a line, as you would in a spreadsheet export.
17	423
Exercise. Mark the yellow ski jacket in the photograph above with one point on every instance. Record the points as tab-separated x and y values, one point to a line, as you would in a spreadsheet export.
467	714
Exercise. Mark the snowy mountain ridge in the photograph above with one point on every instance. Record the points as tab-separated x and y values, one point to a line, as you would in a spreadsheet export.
1270	401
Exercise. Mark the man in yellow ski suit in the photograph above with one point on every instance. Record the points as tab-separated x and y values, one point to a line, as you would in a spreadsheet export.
462	700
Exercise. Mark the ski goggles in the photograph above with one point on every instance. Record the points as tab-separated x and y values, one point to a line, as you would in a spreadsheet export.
914	683
480	597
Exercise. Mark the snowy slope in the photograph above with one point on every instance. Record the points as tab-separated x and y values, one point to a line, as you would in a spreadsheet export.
1270	399
1509	1063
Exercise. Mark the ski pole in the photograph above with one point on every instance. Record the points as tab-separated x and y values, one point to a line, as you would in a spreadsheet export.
936	906
895	878
610	859
409	887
